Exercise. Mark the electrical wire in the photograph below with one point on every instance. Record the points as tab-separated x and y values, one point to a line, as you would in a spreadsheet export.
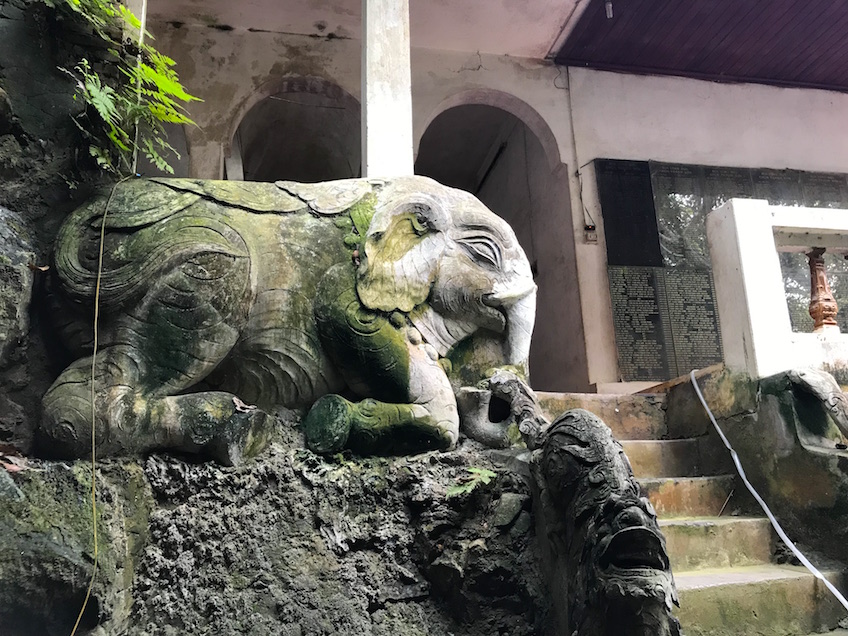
588	220
142	29
762	503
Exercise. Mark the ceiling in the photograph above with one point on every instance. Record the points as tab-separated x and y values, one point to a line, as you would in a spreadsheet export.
524	28
781	42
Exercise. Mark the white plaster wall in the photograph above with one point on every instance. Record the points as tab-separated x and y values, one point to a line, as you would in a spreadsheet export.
679	120
233	70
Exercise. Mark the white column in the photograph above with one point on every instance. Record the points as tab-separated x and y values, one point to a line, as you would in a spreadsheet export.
234	162
386	89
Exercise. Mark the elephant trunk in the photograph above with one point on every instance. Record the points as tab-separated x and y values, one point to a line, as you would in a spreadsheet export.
520	317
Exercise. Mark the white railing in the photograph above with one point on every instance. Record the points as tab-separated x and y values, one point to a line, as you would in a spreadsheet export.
745	236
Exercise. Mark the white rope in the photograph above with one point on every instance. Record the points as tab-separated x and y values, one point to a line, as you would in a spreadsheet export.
762	503
138	83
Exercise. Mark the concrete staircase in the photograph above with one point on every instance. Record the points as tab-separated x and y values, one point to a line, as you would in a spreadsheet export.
721	547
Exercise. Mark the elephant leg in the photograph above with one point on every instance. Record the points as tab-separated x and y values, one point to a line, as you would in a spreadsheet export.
426	420
175	337
127	420
411	407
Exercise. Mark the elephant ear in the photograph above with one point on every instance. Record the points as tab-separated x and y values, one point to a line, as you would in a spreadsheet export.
405	240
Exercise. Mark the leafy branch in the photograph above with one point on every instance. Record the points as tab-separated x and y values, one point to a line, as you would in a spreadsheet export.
467	483
148	93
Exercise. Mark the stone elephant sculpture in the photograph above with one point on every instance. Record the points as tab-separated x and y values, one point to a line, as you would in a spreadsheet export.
348	297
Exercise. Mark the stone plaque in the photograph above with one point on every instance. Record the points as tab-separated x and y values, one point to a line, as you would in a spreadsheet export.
721	184
778	187
665	321
694	319
640	334
680	215
630	224
823	190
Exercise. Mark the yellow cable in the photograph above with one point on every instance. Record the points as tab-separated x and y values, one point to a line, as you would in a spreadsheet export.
93	410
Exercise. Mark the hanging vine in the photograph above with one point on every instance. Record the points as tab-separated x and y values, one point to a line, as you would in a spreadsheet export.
146	94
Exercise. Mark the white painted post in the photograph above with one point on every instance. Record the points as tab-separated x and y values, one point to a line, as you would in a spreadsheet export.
386	89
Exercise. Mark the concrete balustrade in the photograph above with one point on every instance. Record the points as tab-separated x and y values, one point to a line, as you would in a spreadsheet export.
745	236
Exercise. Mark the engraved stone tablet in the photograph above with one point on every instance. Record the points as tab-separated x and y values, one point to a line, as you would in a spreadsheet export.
640	333
665	321
722	184
630	225
778	187
680	215
823	190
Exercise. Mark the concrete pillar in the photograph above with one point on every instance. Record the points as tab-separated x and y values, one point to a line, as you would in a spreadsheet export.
386	89
206	161
234	162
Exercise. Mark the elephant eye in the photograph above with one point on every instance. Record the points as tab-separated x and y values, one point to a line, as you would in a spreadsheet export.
420	221
482	249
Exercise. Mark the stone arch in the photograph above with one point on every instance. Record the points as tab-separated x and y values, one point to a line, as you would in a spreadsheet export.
506	102
500	149
298	127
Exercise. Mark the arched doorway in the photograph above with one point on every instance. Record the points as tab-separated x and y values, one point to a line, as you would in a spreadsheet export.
306	129
492	153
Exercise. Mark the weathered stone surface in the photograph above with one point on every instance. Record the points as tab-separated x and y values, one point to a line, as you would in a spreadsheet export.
507	509
632	416
786	430
689	496
15	427
44	171
727	394
40	147
16	253
47	549
756	600
291	544
718	542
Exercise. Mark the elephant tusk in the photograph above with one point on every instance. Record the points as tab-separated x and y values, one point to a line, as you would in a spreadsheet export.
510	296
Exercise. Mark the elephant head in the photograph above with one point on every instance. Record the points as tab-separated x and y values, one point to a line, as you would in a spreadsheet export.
440	255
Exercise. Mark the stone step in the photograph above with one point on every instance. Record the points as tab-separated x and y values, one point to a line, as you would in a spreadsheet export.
688	496
717	542
763	600
629	416
664	458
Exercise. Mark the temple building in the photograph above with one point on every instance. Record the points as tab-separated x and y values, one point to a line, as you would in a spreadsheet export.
602	131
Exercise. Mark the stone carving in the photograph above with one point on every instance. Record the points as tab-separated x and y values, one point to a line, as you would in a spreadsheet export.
221	301
823	386
608	555
502	413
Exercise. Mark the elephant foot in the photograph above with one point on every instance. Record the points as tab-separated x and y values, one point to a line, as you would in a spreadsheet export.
327	425
217	425
371	427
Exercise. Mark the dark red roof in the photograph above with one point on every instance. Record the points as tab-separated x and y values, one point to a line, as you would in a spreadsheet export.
782	42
